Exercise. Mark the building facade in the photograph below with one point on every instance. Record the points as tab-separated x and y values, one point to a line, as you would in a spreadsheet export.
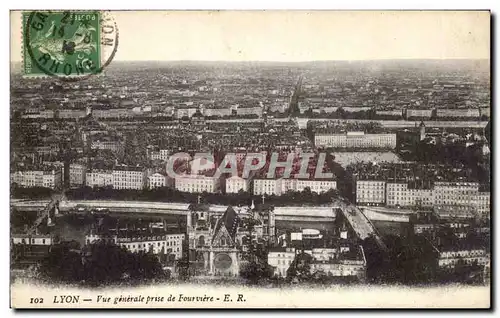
236	184
99	178
459	113
280	259
197	184
459	193
125	177
370	192
483	204
51	179
450	258
317	185
45	240
399	194
419	113
162	154
167	244
267	186
355	139
77	174
114	146
157	180
212	243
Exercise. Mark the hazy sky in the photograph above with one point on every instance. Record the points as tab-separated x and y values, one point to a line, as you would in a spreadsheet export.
294	35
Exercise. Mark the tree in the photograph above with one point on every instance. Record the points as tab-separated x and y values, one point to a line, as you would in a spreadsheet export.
183	268
300	267
98	264
63	263
255	271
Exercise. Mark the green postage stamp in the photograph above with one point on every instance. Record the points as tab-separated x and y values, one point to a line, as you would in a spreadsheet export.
67	44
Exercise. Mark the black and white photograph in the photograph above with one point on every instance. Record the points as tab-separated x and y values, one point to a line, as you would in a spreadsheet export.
250	159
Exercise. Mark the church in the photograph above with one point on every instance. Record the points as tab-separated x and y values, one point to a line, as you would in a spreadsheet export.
213	249
218	238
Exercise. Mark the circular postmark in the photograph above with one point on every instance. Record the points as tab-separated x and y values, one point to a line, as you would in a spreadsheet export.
69	45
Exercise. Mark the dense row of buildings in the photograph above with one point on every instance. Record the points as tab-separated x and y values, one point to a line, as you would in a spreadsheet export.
380	192
136	178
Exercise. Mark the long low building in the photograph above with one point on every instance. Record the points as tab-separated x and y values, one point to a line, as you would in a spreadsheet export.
458	113
356	139
282	185
159	244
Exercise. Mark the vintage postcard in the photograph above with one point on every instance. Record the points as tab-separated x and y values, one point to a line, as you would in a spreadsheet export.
250	159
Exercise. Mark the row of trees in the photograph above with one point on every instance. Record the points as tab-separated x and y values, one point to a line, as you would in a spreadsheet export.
100	264
166	194
34	193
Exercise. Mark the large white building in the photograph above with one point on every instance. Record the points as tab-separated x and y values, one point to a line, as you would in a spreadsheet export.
184	112
370	192
356	139
267	186
419	113
99	178
112	113
197	183
399	194
450	258
281	259
325	260
282	185
37	178
166	244
456	193
126	177
71	113
466	112
234	184
464	194
77	174
162	154
157	180
316	185
52	179
483	204
106	145
174	244
33	239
